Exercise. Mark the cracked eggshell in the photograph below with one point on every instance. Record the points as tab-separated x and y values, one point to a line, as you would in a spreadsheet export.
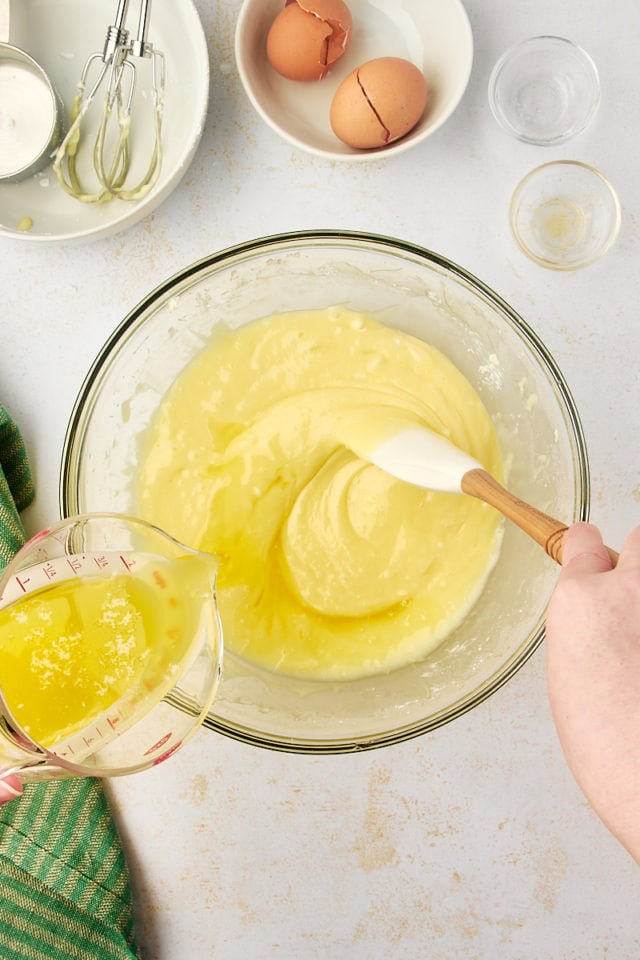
378	102
307	37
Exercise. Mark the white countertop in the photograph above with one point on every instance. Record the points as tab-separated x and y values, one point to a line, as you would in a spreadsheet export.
472	842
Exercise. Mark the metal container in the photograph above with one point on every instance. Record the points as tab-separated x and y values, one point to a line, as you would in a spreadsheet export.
30	115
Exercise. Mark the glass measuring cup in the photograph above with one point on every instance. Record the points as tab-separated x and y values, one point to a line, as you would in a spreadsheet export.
110	648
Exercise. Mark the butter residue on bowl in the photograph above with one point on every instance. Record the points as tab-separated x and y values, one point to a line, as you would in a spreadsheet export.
330	568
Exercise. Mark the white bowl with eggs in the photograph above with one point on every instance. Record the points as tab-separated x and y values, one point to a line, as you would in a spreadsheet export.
432	35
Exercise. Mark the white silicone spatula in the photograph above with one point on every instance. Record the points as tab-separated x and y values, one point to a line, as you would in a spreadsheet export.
425	459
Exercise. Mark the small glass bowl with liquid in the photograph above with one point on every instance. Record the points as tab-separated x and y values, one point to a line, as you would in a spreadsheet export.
545	90
565	215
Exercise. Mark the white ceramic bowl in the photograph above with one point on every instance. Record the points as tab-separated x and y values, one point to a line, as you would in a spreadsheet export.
60	36
435	35
423	294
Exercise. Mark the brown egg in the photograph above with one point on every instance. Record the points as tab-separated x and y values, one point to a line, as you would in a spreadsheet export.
378	102
307	37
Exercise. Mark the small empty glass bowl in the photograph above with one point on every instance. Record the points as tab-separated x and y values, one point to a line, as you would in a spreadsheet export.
544	90
565	215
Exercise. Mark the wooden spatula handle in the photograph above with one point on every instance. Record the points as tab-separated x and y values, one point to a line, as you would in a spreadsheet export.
542	528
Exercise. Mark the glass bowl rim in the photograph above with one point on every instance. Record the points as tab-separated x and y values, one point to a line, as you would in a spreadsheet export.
386	244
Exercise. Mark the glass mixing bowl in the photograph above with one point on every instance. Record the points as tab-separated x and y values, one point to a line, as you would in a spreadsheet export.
423	294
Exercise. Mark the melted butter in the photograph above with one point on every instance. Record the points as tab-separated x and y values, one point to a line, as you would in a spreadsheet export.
70	651
330	568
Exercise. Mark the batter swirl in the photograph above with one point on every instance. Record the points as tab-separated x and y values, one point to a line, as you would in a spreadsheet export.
330	568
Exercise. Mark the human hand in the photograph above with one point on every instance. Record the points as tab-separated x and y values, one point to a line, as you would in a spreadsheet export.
593	675
10	788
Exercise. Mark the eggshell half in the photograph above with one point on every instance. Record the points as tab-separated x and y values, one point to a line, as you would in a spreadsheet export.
378	102
307	37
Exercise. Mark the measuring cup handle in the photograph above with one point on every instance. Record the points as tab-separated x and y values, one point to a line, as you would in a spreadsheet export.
10	786
29	771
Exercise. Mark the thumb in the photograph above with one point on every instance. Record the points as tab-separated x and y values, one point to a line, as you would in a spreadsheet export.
630	553
583	551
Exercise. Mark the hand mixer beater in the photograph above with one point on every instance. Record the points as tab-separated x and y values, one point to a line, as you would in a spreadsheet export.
112	148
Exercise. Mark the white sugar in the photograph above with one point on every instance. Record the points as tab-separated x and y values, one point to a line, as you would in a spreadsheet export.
27	113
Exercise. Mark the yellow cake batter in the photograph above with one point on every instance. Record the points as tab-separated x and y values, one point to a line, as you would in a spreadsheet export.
330	568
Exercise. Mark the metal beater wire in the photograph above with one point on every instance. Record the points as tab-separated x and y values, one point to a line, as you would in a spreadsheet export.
118	74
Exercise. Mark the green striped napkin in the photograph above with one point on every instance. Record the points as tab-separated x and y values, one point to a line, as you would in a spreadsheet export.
16	487
64	885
